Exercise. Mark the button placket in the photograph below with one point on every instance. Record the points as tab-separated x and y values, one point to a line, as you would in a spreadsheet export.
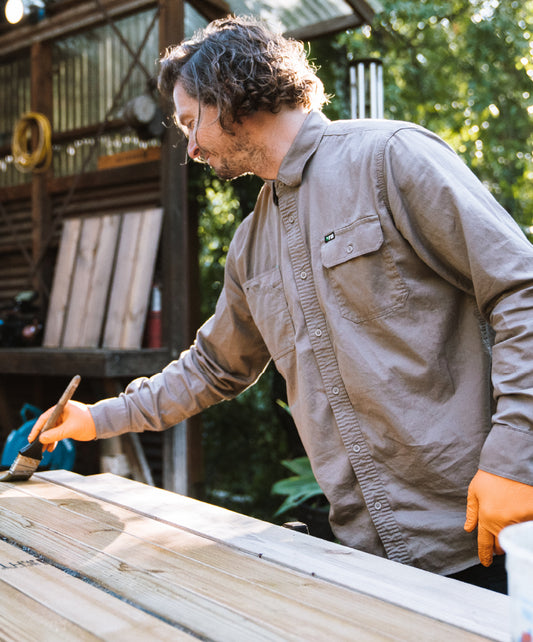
343	411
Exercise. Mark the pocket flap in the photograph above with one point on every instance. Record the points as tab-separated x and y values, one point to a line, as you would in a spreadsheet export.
359	237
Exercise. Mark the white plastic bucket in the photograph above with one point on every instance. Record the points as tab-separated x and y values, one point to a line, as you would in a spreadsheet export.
517	542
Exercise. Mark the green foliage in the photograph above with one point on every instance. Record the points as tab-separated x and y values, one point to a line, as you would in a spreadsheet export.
244	446
221	206
219	215
299	488
464	70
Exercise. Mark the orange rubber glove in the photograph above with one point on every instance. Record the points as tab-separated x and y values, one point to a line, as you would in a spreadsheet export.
493	503
75	422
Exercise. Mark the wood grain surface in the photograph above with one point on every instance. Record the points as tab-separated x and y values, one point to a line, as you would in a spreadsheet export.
204	571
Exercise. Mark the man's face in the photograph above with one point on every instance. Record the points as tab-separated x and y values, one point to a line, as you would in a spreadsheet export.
229	154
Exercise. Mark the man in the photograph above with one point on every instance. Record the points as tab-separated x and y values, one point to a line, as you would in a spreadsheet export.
385	283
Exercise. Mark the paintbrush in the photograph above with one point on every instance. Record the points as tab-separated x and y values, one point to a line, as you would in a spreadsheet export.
31	455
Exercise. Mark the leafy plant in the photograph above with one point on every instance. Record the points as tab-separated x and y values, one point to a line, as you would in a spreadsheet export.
298	488
462	69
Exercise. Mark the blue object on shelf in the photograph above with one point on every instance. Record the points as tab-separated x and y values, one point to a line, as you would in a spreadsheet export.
62	457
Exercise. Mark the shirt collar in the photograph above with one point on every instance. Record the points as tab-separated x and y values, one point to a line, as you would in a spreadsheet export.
302	148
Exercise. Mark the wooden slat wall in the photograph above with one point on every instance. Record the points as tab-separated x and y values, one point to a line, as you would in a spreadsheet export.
121	189
15	249
95	193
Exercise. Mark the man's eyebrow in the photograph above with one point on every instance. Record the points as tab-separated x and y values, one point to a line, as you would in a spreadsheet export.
178	120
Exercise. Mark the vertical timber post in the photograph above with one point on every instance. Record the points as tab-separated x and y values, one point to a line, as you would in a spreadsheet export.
41	101
182	444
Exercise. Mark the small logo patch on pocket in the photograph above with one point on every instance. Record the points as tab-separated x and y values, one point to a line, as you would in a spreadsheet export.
329	237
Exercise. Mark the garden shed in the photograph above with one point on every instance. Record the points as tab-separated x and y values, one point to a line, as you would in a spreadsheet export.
111	188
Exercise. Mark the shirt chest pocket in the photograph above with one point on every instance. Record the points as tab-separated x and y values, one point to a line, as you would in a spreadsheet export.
362	272
268	305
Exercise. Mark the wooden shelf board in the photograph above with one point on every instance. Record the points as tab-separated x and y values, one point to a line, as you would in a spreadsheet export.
89	362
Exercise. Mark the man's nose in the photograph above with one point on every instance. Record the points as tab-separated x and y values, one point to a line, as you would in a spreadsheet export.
192	148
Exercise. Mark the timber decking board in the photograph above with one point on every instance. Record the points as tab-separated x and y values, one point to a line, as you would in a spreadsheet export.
90	282
218	559
223	593
399	584
54	605
120	288
42	624
213	602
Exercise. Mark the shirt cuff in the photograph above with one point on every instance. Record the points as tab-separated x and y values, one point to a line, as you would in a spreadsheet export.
110	417
508	452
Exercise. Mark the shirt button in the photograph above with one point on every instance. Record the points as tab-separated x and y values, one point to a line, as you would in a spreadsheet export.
335	390
377	505
291	219
303	275
318	332
356	448
349	248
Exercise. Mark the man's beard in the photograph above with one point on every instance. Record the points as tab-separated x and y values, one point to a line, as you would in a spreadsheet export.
248	156
226	173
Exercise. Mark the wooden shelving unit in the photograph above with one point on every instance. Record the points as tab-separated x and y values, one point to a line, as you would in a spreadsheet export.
158	181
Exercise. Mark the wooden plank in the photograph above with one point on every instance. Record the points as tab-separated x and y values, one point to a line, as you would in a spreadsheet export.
132	279
130	157
81	284
87	275
240	592
99	551
120	288
42	602
141	279
100	280
87	362
22	619
59	299
463	605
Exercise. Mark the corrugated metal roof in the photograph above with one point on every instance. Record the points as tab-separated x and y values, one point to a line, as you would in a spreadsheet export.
298	18
302	19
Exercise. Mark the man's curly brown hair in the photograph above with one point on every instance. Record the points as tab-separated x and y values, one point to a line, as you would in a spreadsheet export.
239	66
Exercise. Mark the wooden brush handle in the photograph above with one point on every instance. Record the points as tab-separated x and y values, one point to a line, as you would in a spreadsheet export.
59	407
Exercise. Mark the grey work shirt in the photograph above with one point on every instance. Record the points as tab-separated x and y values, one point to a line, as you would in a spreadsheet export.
384	281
